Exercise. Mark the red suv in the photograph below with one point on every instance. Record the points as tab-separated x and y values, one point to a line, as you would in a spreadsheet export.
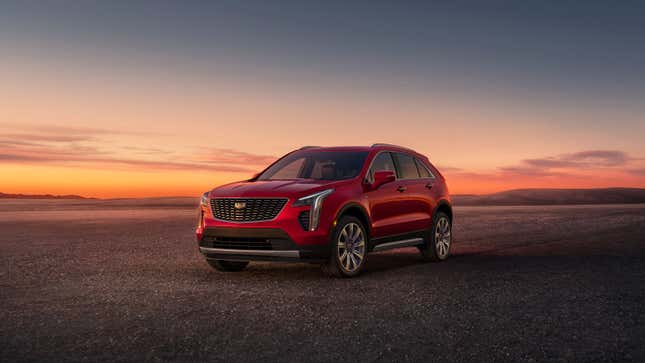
328	205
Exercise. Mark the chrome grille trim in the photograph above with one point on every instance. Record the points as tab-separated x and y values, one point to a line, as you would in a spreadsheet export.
255	210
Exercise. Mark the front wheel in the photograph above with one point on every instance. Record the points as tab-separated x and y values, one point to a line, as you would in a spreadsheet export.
349	248
228	266
437	245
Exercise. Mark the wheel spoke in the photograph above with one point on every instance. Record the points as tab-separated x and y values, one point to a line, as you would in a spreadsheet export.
351	256
358	255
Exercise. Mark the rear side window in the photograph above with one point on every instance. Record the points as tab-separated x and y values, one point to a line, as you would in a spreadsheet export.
406	167
423	169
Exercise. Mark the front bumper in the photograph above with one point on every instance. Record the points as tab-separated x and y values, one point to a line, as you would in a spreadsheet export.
257	244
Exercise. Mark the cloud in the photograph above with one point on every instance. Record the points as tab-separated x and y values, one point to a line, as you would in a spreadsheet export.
145	150
448	169
33	138
637	171
64	130
53	145
528	171
228	156
569	166
89	157
582	159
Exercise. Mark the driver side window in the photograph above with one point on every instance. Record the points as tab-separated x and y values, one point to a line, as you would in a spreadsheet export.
382	161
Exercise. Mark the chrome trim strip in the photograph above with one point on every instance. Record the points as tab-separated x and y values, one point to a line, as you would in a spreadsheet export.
272	253
397	244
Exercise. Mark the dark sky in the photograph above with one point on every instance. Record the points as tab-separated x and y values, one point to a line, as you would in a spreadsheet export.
578	46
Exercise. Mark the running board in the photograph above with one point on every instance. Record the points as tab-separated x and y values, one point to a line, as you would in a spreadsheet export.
398	244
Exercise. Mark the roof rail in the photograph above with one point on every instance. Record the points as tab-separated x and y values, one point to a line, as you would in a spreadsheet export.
385	144
308	147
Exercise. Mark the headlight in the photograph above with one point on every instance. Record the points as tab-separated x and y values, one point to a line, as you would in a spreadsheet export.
204	200
315	201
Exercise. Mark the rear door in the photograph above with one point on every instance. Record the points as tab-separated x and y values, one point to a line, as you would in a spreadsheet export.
414	187
429	192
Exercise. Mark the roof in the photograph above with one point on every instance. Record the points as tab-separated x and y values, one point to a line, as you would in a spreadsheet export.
358	148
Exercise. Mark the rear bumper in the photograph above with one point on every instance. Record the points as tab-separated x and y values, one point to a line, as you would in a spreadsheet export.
257	244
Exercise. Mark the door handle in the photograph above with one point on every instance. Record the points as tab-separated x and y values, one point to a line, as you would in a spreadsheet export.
401	189
429	185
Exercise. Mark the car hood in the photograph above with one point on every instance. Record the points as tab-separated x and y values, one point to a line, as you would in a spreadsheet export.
272	188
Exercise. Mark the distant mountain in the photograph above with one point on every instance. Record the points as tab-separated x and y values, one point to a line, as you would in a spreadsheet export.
555	196
40	196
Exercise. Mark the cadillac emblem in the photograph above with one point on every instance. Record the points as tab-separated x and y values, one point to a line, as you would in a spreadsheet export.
240	205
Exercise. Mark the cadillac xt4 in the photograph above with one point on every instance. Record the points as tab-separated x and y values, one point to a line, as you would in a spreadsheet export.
329	205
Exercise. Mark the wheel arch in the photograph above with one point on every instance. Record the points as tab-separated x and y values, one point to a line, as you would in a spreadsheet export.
355	210
445	207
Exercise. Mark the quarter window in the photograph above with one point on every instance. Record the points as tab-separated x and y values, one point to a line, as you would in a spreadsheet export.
423	169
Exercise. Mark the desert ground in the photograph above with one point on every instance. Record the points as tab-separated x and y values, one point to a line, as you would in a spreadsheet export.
123	281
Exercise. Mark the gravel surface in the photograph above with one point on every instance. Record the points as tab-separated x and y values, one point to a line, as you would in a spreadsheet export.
524	284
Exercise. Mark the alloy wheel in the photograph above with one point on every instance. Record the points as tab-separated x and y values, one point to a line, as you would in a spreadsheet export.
442	237
351	247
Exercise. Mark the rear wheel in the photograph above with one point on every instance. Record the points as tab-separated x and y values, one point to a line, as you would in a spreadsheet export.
228	266
439	239
349	248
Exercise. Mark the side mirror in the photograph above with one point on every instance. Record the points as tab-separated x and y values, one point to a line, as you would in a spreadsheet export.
382	177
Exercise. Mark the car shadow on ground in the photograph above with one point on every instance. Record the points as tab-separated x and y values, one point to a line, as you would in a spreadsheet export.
409	261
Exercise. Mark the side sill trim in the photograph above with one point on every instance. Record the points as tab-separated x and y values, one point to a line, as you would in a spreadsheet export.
228	251
397	244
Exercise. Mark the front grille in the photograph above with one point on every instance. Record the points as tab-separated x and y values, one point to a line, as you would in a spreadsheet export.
248	209
239	243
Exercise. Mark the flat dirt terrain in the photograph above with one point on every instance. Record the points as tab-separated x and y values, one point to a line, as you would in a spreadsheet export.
98	281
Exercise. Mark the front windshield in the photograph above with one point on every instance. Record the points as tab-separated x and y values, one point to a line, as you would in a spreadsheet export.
318	165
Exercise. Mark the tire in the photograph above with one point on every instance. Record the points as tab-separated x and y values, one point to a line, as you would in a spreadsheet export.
439	239
348	231
228	266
